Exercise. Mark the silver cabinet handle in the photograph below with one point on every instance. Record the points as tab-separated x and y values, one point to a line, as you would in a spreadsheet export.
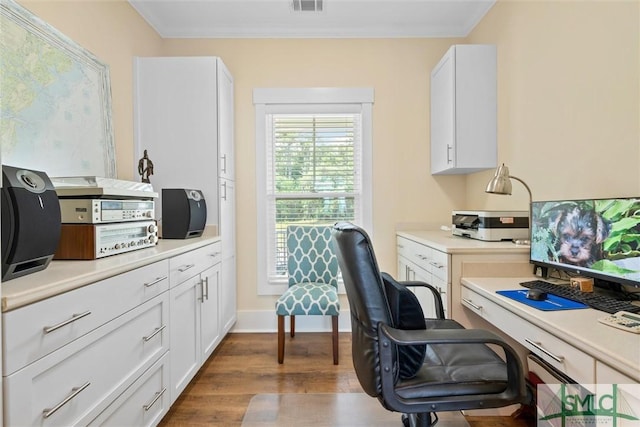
73	318
224	185
154	333
449	149
157	396
539	346
185	268
154	282
206	285
472	304
224	163
46	413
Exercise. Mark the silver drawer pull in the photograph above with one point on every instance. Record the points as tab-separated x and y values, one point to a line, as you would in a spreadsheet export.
46	413
186	267
472	304
155	399
73	318
156	281
537	345
155	332
215	254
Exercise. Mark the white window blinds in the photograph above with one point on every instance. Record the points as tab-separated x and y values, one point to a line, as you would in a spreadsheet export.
313	175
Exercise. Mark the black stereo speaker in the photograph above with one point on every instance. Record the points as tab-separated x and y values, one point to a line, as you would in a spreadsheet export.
30	221
184	213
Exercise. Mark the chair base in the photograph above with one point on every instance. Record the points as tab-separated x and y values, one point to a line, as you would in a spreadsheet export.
334	336
429	419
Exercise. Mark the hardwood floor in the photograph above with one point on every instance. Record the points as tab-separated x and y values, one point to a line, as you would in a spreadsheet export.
244	365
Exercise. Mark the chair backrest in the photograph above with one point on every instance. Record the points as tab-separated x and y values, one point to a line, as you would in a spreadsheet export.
311	257
367	301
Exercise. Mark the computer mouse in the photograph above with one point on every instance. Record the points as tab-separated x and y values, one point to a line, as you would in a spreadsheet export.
536	295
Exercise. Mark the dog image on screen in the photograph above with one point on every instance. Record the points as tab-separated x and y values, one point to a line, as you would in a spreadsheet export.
579	234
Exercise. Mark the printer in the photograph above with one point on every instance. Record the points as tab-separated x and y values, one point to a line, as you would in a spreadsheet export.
491	226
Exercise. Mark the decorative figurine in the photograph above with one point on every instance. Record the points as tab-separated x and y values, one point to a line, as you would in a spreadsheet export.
145	167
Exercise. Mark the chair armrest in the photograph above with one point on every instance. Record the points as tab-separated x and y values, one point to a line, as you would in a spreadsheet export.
389	337
434	292
440	336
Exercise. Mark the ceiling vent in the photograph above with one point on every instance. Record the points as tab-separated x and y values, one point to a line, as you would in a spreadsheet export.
308	5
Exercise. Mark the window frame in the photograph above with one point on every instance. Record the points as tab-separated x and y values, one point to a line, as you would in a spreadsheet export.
306	100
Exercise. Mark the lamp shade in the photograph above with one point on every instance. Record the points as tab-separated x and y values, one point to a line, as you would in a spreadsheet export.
501	182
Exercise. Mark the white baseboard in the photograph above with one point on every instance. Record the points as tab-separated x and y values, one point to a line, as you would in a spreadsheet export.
267	321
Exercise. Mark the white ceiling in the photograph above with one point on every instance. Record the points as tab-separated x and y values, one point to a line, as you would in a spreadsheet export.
339	19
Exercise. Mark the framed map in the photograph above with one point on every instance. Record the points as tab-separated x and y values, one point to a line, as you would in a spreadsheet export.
55	100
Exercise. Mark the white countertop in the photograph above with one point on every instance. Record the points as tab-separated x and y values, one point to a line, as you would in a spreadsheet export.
446	242
580	328
63	276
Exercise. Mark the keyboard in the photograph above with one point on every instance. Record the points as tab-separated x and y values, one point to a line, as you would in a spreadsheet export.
605	303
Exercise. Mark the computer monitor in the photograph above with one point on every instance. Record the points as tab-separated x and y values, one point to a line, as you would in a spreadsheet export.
597	238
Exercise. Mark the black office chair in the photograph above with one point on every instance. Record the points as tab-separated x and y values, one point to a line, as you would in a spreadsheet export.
413	365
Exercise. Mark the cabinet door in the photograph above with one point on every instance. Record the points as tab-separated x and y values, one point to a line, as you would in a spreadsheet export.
225	122
463	110
443	114
424	295
228	273
185	333
209	312
176	122
402	269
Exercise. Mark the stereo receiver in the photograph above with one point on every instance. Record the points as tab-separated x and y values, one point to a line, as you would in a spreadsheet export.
93	241
99	211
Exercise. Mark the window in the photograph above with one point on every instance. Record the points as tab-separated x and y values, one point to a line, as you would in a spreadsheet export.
313	166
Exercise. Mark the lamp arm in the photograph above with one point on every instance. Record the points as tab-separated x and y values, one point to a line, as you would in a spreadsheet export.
525	186
530	205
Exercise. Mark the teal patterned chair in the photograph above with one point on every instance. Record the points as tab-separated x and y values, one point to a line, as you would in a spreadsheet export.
313	281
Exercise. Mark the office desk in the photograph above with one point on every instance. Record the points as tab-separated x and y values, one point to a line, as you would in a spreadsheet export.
572	341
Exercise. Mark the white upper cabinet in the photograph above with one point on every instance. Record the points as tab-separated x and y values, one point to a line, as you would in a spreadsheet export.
463	110
177	120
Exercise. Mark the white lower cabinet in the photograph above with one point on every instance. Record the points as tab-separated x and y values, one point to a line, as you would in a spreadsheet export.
421	263
117	352
195	315
74	384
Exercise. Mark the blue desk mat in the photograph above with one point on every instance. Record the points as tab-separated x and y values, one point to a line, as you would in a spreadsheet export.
552	303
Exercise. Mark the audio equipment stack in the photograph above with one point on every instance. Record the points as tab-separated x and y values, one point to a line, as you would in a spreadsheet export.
104	216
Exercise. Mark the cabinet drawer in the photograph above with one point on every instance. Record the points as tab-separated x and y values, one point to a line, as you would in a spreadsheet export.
431	260
440	265
33	331
558	353
189	264
77	382
142	404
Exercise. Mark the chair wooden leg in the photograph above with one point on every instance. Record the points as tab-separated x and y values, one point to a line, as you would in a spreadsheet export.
280	339
293	326
334	337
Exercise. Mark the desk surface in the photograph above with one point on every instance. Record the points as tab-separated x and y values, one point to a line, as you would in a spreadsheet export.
580	328
446	242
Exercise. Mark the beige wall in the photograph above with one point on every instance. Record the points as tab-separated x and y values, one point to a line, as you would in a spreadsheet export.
398	70
115	33
568	105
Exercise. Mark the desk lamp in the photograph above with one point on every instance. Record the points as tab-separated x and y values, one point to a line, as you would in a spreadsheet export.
501	184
